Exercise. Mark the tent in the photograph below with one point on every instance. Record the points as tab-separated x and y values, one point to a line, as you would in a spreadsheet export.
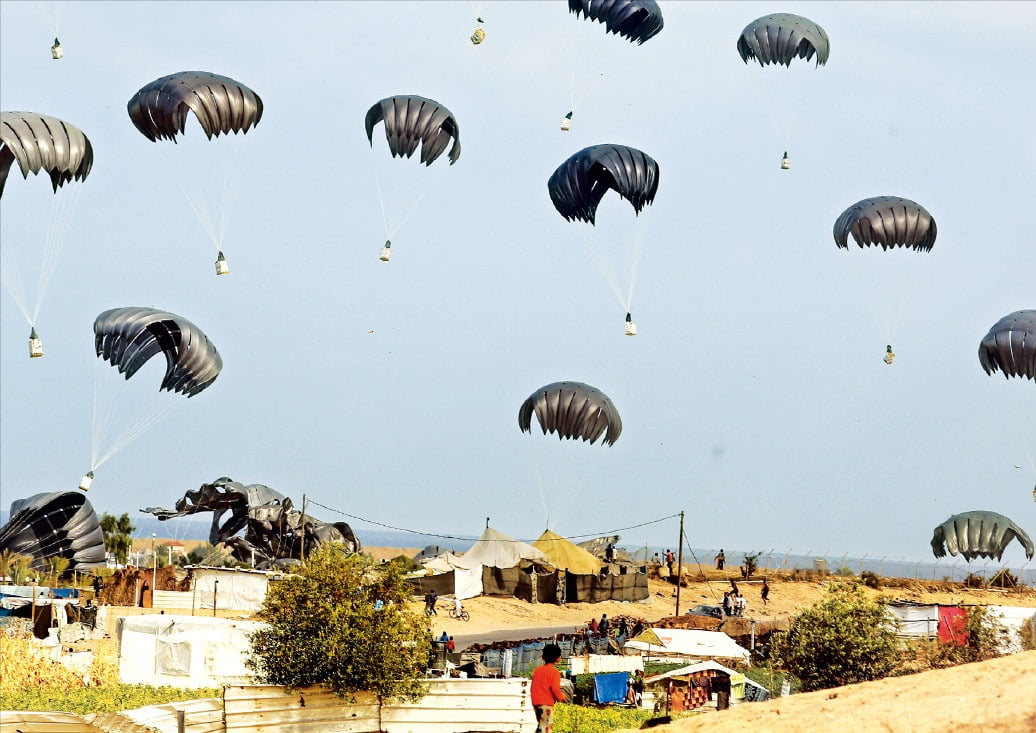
494	549
690	643
565	555
690	696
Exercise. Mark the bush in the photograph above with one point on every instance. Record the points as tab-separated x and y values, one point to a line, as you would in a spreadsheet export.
871	580
325	630
109	699
577	719
983	629
843	638
975	581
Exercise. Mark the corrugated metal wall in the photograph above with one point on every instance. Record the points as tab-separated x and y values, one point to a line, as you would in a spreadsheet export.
450	706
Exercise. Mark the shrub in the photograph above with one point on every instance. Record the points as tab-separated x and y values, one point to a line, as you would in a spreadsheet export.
871	580
975	581
843	638
577	719
324	628
751	564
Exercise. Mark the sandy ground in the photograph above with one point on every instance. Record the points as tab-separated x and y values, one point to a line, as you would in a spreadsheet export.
998	696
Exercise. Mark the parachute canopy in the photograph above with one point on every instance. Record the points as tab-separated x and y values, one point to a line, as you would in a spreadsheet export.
222	105
890	221
779	38
635	20
127	337
572	410
978	534
61	523
410	120
1010	346
579	184
39	142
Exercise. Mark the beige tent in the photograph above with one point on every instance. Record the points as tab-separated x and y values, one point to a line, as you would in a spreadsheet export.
494	549
565	555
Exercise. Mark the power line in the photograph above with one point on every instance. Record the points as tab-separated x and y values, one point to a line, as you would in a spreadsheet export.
457	537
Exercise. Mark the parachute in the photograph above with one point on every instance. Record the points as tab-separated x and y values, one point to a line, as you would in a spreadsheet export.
61	523
890	221
572	410
410	120
222	105
1010	346
635	20
39	142
779	38
978	534
579	184
127	337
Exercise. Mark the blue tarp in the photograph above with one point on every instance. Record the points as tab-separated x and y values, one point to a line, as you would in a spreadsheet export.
610	687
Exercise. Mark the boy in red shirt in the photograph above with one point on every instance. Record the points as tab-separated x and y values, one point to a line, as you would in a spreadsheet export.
546	688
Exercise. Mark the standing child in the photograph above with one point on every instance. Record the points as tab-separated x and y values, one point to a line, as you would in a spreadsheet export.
546	689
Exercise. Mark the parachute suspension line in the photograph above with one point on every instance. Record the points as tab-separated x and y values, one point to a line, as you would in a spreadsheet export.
381	195
143	424
420	198
12	282
61	208
604	266
103	409
635	255
50	12
204	218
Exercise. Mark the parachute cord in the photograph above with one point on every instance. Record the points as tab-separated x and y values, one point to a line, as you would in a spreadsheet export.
143	424
596	85
60	218
103	408
229	196
52	18
202	214
12	282
381	195
417	202
635	255
605	268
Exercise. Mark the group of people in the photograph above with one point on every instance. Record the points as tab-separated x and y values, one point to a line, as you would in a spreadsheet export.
604	627
734	604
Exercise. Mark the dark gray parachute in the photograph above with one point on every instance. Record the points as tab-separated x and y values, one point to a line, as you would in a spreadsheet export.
635	20
275	532
411	120
39	142
781	37
222	105
60	523
889	221
978	534
572	410
579	184
127	337
1010	346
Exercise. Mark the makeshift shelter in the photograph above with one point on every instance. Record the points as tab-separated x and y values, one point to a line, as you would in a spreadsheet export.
689	644
184	651
509	567
690	687
237	589
566	555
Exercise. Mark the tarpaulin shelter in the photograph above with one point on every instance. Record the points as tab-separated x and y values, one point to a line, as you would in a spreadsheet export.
690	687
610	687
689	643
566	555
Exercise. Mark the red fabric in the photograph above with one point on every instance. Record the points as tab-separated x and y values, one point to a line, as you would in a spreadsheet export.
546	685
953	622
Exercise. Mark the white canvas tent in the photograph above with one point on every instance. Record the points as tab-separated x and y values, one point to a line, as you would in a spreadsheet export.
690	643
184	651
494	549
230	588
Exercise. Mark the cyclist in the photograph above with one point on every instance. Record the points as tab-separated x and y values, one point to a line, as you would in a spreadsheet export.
458	606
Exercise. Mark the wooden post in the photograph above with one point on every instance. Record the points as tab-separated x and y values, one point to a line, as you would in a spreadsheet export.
679	565
302	546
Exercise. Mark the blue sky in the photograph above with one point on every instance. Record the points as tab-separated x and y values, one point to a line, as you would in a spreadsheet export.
754	397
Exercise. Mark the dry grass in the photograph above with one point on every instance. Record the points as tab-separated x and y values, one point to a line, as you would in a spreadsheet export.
25	664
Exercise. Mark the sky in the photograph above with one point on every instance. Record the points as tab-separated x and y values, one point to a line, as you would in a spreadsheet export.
754	397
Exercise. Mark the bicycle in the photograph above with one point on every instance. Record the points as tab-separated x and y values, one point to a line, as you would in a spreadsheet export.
463	616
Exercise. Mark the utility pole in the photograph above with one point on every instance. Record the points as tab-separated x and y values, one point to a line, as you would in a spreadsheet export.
302	541
154	569
679	565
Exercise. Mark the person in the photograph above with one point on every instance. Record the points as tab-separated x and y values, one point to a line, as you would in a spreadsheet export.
670	560
429	603
602	627
721	686
609	552
733	587
444	638
766	592
726	603
741	605
458	606
638	688
593	627
451	645
545	689
97	585
720	559
623	628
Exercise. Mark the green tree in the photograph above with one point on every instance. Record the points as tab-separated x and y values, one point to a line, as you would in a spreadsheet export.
118	536
56	566
14	566
843	638
324	628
